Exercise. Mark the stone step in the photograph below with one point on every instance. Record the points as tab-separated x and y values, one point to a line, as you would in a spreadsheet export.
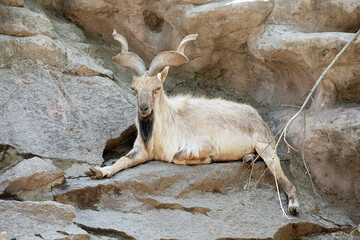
69	57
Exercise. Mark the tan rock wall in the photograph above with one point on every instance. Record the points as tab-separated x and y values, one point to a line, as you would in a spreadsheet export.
252	46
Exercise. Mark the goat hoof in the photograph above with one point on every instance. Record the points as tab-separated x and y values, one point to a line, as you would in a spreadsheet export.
248	158
294	208
94	173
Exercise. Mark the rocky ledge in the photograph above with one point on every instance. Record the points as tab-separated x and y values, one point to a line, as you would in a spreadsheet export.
217	201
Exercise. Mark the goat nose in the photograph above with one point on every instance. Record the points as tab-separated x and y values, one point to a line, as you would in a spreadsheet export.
143	108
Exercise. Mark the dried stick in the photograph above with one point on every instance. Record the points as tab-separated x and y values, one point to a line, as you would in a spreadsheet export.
303	156
323	126
351	234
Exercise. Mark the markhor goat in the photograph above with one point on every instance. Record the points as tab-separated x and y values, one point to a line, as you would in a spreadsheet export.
186	130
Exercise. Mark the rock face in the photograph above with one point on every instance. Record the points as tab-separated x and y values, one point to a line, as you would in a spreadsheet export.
64	103
49	220
270	52
58	115
231	39
305	56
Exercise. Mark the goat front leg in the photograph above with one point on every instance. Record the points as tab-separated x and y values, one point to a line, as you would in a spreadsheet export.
135	157
195	154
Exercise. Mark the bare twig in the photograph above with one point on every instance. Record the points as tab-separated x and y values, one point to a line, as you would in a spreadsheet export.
250	195
258	156
351	234
277	185
322	124
303	156
246	185
261	176
287	105
251	172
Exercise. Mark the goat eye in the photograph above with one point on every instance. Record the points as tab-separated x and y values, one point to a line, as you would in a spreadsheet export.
157	89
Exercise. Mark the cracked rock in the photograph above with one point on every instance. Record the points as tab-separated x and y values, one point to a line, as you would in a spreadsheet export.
83	64
63	99
303	56
52	90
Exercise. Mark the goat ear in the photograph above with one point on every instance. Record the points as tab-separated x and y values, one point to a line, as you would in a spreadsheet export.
163	74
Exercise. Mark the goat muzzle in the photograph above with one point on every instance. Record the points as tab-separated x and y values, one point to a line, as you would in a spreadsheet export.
144	111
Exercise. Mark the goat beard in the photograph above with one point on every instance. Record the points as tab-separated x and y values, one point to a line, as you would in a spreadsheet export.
146	126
